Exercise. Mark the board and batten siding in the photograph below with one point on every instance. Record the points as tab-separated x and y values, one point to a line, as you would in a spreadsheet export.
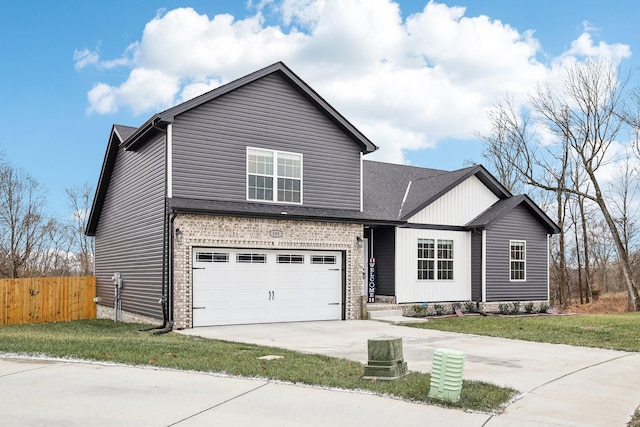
518	224
129	236
411	290
210	145
459	206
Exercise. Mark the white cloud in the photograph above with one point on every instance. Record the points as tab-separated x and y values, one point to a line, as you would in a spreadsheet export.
84	57
406	83
584	47
102	99
144	90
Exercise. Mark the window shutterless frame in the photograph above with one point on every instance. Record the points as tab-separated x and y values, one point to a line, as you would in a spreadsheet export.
274	176
517	260
435	259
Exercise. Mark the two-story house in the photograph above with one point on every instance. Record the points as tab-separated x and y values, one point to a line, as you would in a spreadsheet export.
252	203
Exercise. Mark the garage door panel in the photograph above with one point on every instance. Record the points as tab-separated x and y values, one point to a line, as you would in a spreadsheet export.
287	286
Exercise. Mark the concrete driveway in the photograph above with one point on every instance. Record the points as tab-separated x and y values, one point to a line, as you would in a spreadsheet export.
559	384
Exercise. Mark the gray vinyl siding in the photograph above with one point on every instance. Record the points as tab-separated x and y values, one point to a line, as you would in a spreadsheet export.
210	142
476	266
384	252
518	224
129	237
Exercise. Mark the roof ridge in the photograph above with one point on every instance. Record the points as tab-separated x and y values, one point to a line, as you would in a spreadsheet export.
405	166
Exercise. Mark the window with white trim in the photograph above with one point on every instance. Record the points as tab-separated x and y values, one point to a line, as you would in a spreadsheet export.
517	260
426	259
435	259
445	259
250	258
290	259
323	259
274	176
206	256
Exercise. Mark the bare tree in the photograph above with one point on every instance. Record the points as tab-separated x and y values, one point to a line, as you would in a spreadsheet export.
22	223
80	201
621	198
499	150
584	115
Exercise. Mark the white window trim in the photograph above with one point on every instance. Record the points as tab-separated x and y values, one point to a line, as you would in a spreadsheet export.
524	260
435	260
274	176
452	259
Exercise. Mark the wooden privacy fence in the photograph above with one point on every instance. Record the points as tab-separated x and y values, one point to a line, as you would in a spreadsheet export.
47	299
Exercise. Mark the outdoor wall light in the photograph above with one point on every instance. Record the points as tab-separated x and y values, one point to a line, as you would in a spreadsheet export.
178	235
360	241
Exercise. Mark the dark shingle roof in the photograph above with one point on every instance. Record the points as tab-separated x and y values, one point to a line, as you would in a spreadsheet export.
385	185
502	207
124	132
397	192
253	209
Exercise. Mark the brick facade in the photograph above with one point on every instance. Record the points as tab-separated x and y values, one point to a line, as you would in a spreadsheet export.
256	233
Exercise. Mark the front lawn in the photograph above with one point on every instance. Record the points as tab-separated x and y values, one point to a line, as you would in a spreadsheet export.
610	331
104	340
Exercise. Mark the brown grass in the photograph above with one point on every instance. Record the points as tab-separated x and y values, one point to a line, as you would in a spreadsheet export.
605	304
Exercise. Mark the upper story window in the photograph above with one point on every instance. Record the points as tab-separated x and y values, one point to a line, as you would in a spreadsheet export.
517	260
274	176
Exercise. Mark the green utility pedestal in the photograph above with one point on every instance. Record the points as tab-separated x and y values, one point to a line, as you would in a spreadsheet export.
386	361
446	374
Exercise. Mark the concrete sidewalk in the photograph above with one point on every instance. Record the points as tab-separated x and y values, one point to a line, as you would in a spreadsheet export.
560	385
58	393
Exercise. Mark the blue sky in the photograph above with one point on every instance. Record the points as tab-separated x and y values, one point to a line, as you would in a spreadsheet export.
416	78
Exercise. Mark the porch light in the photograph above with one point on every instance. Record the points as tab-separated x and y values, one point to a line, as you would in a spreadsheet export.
178	235
359	240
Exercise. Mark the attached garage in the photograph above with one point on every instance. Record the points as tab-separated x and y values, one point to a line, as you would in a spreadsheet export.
243	286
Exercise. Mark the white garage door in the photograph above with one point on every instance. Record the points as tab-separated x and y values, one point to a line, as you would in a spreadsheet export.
241	286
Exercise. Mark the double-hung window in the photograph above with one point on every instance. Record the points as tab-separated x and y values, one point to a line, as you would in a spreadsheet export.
517	260
274	176
445	259
435	259
426	259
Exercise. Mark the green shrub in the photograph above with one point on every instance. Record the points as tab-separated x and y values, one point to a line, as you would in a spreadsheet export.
419	310
438	309
470	306
543	307
528	307
516	307
504	308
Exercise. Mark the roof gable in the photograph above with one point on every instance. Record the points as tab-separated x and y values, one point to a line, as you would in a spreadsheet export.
385	186
457	206
503	207
119	134
398	192
167	116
